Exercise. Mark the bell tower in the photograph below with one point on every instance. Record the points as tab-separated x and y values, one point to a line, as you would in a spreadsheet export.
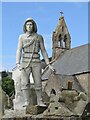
61	40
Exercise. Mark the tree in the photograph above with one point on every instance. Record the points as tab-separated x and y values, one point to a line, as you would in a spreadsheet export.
4	74
8	85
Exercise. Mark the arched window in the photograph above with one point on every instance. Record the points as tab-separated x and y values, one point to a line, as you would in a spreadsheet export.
62	41
65	38
53	92
59	40
62	28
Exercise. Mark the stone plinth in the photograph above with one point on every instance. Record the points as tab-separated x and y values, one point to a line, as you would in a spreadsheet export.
46	118
20	115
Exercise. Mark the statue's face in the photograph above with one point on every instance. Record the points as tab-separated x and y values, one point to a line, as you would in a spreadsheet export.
29	27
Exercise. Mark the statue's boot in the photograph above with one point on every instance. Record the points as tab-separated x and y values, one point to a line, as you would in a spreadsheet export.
26	97
39	98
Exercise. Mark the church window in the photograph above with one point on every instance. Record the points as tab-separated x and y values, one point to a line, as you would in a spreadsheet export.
59	40
65	38
62	28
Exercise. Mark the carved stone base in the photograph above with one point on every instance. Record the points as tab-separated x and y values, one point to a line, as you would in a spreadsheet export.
21	115
34	110
18	103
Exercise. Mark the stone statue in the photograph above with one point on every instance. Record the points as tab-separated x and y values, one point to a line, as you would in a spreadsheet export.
31	43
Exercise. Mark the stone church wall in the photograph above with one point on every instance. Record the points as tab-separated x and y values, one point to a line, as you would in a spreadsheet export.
84	79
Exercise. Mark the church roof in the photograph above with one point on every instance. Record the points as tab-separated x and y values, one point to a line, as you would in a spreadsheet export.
73	61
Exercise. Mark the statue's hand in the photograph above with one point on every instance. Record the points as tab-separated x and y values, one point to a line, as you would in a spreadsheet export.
19	66
51	68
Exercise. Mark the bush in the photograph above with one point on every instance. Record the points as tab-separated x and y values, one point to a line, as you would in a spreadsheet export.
8	85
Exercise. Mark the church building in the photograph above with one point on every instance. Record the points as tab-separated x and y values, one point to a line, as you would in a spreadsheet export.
71	64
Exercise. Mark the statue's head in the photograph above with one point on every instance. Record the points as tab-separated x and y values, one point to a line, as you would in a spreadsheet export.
34	25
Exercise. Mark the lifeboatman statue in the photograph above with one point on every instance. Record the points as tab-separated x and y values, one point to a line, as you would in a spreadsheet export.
29	45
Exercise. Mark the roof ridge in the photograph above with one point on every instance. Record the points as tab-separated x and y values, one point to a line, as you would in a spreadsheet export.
80	46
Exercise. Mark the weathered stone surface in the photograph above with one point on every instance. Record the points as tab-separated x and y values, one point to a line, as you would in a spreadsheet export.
78	110
66	103
69	96
34	110
57	109
45	98
46	118
1	103
61	39
19	99
21	115
53	83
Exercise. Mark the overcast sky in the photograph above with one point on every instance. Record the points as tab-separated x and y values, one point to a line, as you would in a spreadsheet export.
46	15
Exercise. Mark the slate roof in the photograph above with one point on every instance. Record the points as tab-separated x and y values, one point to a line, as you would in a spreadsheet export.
73	61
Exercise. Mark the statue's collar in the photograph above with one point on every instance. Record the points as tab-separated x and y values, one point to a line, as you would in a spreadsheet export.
29	34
